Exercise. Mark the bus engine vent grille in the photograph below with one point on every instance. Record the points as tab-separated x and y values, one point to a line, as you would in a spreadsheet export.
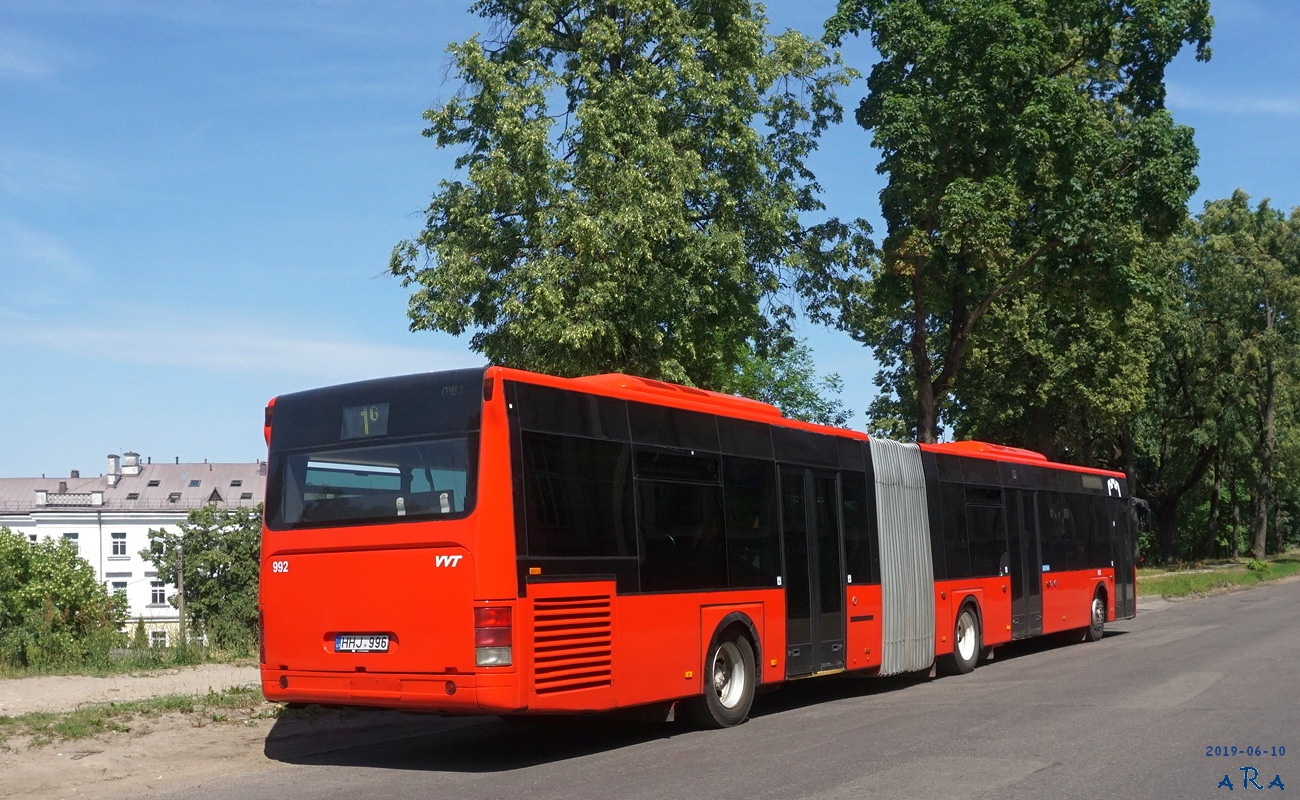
572	646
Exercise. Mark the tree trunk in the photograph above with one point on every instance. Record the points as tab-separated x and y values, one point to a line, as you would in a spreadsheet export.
1278	545
1165	501
1043	432
927	405
1212	518
1128	457
1267	445
1167	527
927	416
1235	500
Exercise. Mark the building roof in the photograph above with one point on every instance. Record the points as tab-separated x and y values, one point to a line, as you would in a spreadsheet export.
134	486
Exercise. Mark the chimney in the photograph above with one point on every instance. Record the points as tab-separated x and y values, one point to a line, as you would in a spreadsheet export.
114	469
76	474
130	463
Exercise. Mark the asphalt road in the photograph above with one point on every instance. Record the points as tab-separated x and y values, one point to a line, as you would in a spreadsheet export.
1132	716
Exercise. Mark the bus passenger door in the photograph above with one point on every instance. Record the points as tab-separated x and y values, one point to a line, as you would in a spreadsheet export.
1026	564
814	571
1123	544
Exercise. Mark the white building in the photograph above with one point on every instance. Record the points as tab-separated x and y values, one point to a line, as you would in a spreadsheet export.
108	519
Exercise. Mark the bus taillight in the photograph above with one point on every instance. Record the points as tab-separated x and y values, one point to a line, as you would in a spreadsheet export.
266	421
492	632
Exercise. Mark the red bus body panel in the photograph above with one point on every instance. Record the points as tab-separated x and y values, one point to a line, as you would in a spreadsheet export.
862	639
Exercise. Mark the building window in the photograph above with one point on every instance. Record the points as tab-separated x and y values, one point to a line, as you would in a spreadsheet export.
195	484
71	538
155	482
173	497
158	638
237	482
118	587
31	537
245	495
119	544
133	496
157	593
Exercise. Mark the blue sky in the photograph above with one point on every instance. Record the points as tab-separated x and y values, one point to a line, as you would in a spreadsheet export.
198	201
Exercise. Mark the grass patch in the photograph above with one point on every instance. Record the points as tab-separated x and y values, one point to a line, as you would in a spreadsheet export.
1193	581
128	661
41	728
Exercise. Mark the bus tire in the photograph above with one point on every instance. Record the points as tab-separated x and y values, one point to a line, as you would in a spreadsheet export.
1097	618
966	643
730	679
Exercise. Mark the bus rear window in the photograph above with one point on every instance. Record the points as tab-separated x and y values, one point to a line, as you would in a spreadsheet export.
386	450
372	483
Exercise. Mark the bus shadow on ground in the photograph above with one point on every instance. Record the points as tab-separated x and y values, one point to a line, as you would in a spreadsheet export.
1045	643
422	742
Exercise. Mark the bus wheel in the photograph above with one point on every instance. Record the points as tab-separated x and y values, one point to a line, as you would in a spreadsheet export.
1097	628
965	643
730	679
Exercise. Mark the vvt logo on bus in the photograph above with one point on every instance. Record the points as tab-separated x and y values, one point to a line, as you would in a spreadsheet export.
446	561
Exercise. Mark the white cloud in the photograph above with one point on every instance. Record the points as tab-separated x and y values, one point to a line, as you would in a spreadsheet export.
40	257
31	174
346	18
1182	97
25	58
224	346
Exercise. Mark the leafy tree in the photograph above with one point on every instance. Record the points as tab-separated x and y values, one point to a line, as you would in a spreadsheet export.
634	176
221	552
1223	383
1249	260
1053	372
1023	142
54	614
788	380
1180	431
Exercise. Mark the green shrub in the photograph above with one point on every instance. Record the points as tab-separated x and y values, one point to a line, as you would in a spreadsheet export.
54	614
221	555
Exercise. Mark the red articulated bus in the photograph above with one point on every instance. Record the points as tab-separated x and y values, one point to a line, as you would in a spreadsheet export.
493	541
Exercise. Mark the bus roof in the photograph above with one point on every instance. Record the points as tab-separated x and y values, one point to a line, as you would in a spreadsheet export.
648	390
1017	455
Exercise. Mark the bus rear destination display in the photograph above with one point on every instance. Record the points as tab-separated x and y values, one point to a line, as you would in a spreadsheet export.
360	422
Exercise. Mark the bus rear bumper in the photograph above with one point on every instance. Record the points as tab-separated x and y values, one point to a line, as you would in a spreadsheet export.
452	693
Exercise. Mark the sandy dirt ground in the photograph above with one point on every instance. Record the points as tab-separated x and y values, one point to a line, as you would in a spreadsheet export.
145	758
159	754
175	750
